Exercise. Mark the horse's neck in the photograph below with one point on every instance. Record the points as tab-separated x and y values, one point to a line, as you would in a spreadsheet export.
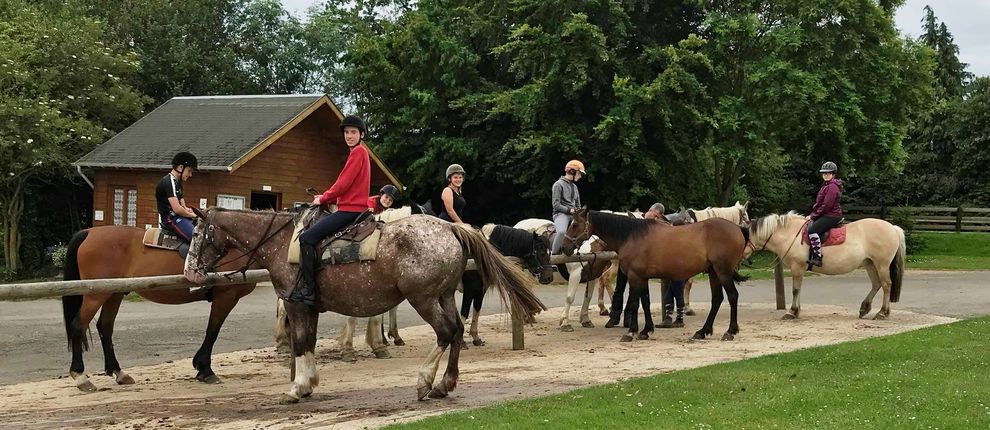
785	238
249	239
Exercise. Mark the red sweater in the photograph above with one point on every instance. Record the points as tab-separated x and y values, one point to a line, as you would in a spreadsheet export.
350	191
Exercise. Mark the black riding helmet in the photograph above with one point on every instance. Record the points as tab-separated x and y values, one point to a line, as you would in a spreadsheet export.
389	189
353	121
185	159
828	167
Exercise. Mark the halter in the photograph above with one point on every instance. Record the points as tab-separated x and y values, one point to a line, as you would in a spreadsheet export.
252	254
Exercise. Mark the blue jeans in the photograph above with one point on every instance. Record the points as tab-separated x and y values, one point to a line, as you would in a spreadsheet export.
675	293
181	225
327	226
560	222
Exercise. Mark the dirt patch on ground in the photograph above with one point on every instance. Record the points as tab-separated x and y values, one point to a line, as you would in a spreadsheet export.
372	393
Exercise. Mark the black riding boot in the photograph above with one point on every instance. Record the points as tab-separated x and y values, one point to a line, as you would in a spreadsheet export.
306	291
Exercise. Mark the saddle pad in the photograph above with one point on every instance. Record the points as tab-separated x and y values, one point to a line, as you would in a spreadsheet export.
836	236
487	230
392	215
302	221
158	238
364	246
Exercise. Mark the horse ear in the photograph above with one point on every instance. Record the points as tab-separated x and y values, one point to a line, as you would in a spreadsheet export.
199	213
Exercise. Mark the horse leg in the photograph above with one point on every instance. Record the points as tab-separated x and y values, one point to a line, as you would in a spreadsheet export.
104	326
449	381
572	285
716	286
604	288
346	341
644	297
687	297
432	312
732	293
885	283
282	336
867	304
797	277
631	314
303	319
393	327
620	289
90	305
589	291
373	337
476	339
224	300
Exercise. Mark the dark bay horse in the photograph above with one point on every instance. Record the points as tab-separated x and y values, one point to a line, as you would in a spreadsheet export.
648	249
420	259
532	248
118	252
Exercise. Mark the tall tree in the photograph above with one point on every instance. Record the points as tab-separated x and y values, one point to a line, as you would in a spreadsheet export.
62	91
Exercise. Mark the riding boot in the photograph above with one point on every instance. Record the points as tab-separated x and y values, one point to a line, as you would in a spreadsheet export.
668	322
564	273
815	257
306	291
679	321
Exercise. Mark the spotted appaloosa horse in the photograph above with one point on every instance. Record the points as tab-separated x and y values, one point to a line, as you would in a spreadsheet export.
420	259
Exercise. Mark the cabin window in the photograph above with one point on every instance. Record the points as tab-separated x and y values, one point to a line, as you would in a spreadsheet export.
227	201
124	205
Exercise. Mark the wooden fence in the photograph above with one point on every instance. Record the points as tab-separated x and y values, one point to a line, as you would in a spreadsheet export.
929	218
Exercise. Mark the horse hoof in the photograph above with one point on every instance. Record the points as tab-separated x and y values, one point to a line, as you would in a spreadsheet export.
698	336
880	316
587	324
438	393
382	354
611	324
626	338
566	328
288	399
210	379
399	342
643	336
348	357
478	342
789	316
689	312
124	379
728	336
603	312
86	387
422	392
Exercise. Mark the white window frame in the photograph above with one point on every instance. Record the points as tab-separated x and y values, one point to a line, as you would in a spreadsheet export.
222	197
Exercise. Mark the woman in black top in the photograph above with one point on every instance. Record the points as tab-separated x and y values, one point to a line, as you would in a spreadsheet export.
453	201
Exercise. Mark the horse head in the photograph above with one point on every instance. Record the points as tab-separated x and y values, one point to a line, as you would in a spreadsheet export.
578	232
209	245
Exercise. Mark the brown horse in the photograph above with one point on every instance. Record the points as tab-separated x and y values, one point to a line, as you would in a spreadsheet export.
648	249
420	259
118	252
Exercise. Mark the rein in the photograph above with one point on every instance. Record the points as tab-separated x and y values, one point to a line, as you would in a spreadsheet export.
777	259
252	254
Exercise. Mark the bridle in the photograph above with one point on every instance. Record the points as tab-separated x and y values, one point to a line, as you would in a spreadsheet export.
209	230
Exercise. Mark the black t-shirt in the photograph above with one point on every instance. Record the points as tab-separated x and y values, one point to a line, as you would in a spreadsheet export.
167	187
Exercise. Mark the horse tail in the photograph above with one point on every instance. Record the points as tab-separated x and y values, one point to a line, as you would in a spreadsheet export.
739	278
897	267
71	305
496	270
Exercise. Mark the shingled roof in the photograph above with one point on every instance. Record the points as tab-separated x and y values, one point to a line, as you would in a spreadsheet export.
220	130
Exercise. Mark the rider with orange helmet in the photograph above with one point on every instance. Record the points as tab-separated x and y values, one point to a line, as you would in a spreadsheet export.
566	199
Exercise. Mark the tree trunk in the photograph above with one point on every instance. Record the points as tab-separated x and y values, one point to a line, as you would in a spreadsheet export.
12	208
728	178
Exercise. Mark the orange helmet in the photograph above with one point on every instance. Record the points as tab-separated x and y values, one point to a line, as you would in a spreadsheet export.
575	165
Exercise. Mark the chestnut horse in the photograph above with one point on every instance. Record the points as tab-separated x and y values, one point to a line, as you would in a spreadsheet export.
420	259
648	249
118	252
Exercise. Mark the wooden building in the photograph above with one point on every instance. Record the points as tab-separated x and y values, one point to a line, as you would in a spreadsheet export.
254	152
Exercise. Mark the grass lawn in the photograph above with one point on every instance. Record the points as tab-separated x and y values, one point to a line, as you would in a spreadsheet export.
952	251
933	378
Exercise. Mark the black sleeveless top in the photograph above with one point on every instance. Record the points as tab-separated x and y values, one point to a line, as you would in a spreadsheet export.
459	204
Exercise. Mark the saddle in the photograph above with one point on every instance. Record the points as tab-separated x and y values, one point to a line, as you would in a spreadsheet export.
356	242
835	236
165	239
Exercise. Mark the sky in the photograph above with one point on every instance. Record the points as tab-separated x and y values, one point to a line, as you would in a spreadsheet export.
968	21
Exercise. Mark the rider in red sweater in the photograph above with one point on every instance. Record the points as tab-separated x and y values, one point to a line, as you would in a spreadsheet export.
350	193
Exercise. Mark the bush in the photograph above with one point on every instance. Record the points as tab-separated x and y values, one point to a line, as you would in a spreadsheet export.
902	217
58	254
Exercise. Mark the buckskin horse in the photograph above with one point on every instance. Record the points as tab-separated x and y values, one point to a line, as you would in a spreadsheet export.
119	252
648	249
872	243
420	259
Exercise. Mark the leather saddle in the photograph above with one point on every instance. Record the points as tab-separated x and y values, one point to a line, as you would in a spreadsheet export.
165	238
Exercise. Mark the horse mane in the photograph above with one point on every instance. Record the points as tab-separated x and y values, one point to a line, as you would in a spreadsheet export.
511	241
761	228
619	227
